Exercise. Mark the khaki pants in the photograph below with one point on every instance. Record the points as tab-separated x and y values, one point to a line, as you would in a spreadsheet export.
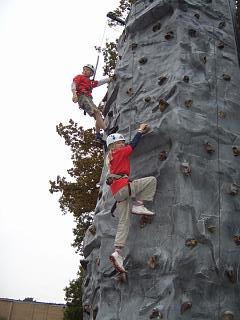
141	189
87	105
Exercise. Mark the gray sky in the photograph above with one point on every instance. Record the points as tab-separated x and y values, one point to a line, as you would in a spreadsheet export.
44	44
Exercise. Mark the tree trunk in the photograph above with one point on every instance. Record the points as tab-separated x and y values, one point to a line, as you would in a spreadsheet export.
178	71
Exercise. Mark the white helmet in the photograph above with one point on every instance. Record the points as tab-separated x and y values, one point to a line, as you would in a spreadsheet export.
114	137
90	66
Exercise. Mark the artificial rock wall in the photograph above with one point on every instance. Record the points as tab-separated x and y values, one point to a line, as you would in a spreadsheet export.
178	71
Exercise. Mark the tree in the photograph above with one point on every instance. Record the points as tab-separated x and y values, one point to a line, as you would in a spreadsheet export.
79	195
73	298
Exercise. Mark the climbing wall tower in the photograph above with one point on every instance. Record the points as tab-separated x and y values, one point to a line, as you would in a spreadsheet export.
178	71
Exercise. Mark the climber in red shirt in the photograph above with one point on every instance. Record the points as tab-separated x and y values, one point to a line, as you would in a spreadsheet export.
82	93
124	190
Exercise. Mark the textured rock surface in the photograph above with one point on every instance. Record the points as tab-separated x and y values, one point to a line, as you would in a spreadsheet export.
178	71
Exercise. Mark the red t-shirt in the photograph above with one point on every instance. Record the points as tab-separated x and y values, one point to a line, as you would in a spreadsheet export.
84	85
120	164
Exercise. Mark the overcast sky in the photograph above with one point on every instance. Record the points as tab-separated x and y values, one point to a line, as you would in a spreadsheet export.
44	44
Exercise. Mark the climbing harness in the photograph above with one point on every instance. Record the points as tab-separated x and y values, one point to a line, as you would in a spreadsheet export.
111	177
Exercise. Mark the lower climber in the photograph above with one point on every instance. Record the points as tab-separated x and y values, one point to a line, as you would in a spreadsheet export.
130	195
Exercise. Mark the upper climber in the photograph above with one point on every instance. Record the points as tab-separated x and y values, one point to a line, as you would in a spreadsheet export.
82	87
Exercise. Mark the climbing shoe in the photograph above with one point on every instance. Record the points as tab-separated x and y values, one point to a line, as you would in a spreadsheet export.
139	209
117	261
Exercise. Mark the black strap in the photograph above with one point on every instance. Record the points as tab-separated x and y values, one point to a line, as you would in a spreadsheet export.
115	204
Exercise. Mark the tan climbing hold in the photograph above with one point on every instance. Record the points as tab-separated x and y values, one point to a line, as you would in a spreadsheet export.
163	155
188	103
221	24
186	306
231	275
236	150
185	168
220	45
143	60
145	220
233	189
152	262
163	104
161	80
209	147
211	228
236	239
156	27
169	35
192	32
228	315
147	99
191	243
130	92
156	314
92	229
222	114
226	77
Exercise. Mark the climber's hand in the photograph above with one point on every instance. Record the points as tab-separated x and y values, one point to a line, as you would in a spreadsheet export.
143	127
75	98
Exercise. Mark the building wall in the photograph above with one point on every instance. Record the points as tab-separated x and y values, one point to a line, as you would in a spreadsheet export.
23	310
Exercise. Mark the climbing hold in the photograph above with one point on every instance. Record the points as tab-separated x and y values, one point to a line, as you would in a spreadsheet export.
220	45
188	103
156	314
87	308
204	59
119	57
169	35
197	15
211	228
222	114
143	60
130	92
186	79
161	80
147	99
134	45
192	33
228	315
209	147
152	262
231	274
92	229
186	306
236	239
110	113
236	150
156	27
97	261
222	24
191	243
233	189
185	168
226	77
163	104
163	155
84	263
145	220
